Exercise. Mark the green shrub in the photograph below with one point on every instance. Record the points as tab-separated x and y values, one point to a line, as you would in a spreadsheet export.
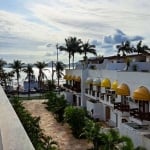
31	125
57	105
75	117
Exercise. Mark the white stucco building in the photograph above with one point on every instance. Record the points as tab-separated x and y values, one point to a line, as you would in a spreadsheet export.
114	92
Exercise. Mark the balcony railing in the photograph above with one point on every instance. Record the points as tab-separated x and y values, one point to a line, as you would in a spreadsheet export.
140	115
122	107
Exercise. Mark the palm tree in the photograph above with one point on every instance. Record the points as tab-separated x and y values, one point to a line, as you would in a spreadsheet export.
2	64
113	141
142	49
59	69
72	46
125	47
29	71
88	48
41	76
76	46
17	66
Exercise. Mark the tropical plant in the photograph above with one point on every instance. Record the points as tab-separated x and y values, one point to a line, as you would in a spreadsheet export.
75	117
113	141
30	73
57	105
88	48
140	148
72	46
17	67
142	49
59	70
92	132
125	47
2	71
31	125
41	75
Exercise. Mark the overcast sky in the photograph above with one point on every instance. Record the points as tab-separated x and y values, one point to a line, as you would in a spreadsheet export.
28	26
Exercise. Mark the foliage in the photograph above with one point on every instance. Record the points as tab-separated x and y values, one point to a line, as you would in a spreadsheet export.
17	66
30	74
72	46
31	125
41	76
59	69
75	117
92	131
57	105
113	141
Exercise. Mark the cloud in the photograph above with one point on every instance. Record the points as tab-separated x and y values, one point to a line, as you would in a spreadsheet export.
119	36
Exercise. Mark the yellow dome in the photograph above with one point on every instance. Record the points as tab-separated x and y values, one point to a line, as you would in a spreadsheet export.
142	94
106	83
73	77
123	89
65	77
78	79
114	85
97	82
69	77
89	80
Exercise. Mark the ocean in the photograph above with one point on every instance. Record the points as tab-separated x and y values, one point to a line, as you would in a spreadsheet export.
47	71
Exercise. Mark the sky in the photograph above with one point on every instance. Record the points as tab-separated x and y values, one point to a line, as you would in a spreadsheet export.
30	29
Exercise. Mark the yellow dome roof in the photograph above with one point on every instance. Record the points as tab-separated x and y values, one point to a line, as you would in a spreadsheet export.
89	80
73	77
106	83
69	77
123	89
142	94
78	79
97	82
114	85
65	77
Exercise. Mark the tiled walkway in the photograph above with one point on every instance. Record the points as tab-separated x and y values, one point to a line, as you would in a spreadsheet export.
60	133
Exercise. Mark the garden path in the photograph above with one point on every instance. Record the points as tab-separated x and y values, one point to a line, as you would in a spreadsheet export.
59	132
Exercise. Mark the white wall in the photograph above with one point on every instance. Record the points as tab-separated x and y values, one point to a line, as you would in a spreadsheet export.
13	134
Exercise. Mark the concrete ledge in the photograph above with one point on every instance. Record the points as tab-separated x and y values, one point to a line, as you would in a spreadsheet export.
13	134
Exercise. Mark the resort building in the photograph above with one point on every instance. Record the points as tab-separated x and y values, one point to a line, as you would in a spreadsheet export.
115	90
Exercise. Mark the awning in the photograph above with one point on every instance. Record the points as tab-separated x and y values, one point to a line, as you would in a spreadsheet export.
89	80
65	77
114	85
123	90
97	82
106	83
73	77
69	77
141	94
77	79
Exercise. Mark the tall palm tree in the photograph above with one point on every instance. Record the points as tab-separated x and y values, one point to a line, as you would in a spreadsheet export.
17	66
76	46
59	70
125	47
72	46
29	71
41	76
142	49
88	48
2	64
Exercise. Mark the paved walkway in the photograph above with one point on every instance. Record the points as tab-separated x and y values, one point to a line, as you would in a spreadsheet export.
60	133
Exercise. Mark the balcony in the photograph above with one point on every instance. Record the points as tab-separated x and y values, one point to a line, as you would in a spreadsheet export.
140	115
122	107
